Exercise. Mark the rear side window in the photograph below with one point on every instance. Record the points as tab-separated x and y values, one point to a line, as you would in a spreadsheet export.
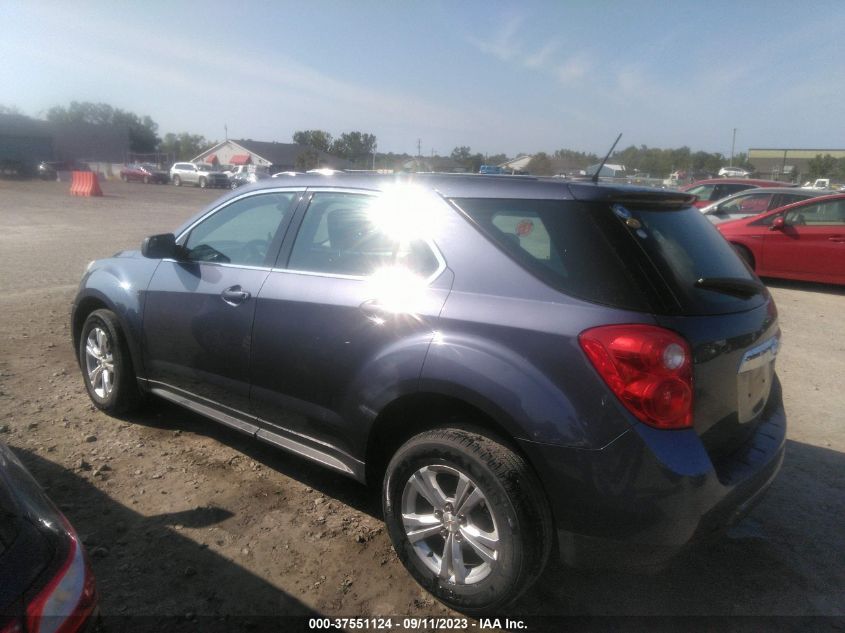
638	258
562	243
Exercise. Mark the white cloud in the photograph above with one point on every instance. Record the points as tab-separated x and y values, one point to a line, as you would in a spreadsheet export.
573	69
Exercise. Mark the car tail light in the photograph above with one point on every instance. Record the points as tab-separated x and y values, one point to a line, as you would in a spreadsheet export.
64	605
648	368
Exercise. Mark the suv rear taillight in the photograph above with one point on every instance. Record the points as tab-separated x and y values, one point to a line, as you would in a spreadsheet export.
648	368
67	601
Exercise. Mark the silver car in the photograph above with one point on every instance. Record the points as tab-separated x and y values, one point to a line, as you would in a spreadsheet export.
755	201
200	175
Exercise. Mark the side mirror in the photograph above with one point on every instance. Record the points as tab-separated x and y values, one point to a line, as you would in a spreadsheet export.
778	224
160	246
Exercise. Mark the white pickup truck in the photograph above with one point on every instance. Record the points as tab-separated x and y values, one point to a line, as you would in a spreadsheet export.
823	183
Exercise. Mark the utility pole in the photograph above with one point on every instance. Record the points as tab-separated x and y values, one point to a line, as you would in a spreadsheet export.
419	148
733	145
226	131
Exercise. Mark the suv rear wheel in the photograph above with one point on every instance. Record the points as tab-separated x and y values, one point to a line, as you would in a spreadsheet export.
177	181
467	518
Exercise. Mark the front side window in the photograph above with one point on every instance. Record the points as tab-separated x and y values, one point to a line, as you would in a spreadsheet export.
240	233
357	235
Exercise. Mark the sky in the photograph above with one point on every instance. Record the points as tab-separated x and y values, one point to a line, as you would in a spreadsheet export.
499	77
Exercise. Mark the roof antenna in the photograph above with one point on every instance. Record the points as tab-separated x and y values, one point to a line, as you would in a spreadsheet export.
601	164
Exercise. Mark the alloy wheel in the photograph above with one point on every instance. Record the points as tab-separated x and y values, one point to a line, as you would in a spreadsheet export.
99	362
448	521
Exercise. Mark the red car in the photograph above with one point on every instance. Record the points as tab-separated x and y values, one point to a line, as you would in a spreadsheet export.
709	191
805	240
145	173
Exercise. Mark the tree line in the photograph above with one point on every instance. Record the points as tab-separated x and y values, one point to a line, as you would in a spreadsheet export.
360	149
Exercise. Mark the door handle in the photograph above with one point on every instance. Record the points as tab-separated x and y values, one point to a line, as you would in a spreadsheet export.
234	295
836	238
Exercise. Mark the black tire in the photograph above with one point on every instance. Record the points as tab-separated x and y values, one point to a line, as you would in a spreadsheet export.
745	254
177	182
124	177
146	180
512	499
124	395
203	183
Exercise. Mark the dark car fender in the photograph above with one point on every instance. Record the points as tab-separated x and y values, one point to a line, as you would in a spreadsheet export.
517	395
117	284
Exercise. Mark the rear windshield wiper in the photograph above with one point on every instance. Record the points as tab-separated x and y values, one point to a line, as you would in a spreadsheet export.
742	288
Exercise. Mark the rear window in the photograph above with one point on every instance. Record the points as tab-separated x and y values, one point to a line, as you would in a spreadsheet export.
685	247
628	257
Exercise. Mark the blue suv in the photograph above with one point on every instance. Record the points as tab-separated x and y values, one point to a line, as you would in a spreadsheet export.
527	366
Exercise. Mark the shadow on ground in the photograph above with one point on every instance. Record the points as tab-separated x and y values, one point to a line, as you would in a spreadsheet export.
147	551
163	415
805	286
769	564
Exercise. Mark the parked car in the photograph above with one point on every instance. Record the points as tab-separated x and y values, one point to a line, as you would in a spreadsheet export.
247	174
247	177
512	358
756	201
145	173
46	582
200	175
804	241
734	172
714	189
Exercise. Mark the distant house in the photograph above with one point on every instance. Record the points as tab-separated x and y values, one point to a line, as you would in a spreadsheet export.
518	164
608	170
275	156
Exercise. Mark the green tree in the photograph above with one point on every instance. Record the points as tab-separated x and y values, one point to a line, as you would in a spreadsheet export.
142	130
183	146
821	166
356	147
465	158
496	159
541	165
4	109
309	159
318	139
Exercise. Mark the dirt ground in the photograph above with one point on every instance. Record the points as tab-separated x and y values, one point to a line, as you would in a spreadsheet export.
183	517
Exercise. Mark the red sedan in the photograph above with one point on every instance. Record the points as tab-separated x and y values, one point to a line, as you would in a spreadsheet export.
805	240
144	173
709	191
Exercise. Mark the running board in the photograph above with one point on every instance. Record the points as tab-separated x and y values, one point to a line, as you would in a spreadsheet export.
262	434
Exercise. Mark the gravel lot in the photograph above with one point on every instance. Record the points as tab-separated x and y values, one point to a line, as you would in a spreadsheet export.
184	517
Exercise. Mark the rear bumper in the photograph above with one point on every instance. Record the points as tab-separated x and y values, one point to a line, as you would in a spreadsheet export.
645	497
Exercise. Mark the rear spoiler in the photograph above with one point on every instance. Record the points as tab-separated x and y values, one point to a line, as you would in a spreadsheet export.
634	197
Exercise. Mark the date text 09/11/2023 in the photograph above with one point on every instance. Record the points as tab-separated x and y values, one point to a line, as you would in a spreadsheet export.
415	623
